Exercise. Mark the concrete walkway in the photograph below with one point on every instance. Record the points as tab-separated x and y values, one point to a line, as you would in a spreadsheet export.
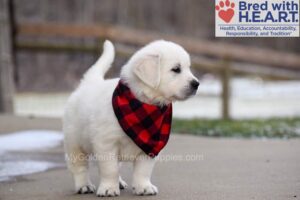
202	168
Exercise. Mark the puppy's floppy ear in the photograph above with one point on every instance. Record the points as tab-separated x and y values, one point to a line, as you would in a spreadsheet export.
147	69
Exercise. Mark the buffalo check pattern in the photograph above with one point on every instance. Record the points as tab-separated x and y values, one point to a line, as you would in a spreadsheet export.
147	125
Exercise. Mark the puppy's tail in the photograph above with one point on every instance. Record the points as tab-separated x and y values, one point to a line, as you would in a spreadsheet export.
102	65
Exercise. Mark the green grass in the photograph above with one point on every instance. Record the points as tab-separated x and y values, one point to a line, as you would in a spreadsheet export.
278	128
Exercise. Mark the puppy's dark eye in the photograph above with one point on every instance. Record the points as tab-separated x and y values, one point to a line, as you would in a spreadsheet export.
176	69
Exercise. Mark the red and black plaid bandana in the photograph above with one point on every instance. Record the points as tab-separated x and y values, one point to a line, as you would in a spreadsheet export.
147	125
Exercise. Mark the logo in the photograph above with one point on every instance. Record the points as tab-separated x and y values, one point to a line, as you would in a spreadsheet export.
225	10
257	18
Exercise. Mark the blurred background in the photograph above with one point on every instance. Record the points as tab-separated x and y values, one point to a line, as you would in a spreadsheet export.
46	46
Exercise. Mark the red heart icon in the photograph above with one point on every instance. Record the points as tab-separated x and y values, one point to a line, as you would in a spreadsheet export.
226	15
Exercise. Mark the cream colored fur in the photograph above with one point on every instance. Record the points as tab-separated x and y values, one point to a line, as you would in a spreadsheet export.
90	126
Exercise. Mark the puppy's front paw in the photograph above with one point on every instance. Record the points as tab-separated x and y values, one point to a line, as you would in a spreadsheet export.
145	189
87	189
108	191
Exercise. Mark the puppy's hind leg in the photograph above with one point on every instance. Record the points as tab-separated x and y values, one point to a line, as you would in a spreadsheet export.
77	162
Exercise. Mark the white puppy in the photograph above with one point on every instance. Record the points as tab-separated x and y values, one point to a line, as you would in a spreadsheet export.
157	74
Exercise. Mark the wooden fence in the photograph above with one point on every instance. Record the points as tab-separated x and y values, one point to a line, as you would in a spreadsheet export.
224	59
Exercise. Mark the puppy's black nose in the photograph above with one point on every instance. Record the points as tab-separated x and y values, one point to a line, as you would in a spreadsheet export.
194	84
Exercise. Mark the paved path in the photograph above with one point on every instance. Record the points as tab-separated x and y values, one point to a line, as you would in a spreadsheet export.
224	169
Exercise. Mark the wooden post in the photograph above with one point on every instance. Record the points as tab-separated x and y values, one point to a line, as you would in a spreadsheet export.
225	78
6	58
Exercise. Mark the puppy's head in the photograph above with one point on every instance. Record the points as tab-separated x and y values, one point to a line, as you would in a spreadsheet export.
160	73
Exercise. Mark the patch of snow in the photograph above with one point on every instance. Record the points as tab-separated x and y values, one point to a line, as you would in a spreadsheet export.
16	168
30	140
